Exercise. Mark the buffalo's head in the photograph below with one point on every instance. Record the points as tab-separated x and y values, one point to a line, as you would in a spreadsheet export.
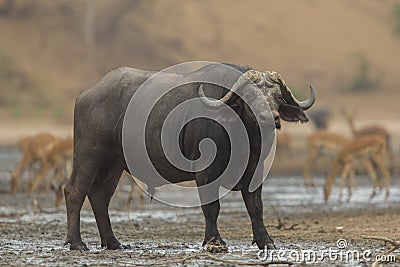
281	100
270	87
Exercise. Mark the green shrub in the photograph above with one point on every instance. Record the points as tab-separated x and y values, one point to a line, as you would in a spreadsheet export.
362	80
12	81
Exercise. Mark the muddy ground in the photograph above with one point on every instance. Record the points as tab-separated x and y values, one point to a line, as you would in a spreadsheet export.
32	231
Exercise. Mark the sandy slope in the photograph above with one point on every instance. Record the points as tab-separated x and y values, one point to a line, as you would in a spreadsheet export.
306	40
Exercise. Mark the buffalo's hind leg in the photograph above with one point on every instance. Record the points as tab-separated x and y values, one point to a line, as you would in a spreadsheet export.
99	196
75	191
254	207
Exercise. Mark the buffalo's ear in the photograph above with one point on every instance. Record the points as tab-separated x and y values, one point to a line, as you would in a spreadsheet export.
292	113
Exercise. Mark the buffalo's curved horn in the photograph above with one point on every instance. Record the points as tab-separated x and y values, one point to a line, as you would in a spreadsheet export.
310	101
287	94
251	74
206	101
306	104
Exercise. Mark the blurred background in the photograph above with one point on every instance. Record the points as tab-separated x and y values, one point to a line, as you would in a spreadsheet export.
52	50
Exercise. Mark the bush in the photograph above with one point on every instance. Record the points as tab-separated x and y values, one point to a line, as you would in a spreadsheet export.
362	80
11	80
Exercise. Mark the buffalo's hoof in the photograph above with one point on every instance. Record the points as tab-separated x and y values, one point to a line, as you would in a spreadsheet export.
215	245
79	246
267	243
114	246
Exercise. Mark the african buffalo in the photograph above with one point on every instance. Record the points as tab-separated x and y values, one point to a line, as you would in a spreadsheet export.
98	150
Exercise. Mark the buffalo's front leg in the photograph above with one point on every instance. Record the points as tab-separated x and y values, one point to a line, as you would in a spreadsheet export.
254	207
211	212
212	237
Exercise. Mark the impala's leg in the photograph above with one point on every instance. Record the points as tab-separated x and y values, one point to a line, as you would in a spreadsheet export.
30	173
371	170
390	155
35	170
135	190
343	177
351	183
132	193
379	162
15	182
54	178
99	196
330	181
37	181
254	207
141	195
